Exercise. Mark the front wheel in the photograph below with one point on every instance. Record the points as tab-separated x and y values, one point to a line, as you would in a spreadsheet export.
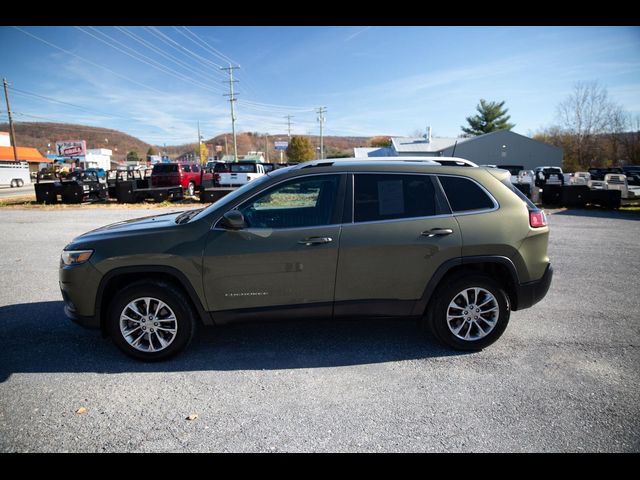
151	320
191	189
470	313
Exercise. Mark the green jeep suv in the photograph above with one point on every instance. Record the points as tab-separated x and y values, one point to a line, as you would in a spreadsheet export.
456	246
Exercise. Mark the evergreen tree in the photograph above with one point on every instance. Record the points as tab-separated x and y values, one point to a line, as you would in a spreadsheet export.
491	117
300	149
132	157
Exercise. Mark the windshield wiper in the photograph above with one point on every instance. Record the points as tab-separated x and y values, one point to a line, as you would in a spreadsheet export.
188	215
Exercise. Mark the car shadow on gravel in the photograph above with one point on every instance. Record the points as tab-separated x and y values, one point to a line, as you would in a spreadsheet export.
38	338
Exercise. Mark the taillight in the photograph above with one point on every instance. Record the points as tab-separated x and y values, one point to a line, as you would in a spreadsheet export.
537	219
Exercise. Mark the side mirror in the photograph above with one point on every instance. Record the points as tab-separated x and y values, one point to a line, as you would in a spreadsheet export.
233	220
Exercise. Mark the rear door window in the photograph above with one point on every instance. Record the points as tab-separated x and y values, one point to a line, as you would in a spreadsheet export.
465	195
385	197
186	168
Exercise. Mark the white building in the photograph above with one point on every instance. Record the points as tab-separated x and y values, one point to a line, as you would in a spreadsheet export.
97	158
5	139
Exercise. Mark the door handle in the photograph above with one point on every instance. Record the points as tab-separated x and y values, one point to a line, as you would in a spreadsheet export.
315	241
437	232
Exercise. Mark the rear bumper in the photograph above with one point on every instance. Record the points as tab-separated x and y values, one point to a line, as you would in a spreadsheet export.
531	293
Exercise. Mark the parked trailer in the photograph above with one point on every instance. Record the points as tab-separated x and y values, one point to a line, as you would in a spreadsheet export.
76	187
211	195
579	196
14	174
131	187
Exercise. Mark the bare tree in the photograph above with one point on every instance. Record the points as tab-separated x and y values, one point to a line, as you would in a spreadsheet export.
630	140
587	114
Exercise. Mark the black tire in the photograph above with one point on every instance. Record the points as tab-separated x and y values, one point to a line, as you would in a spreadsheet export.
435	319
19	183
173	298
13	183
191	189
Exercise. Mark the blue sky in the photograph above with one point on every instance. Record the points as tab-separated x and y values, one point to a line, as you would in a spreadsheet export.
373	80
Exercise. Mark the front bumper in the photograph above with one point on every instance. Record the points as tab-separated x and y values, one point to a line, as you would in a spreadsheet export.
78	286
87	322
530	293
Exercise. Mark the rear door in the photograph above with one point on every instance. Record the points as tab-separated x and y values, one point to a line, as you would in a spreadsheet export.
286	256
402	231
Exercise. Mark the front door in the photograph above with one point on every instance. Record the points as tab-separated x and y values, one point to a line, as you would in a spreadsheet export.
402	231
286	257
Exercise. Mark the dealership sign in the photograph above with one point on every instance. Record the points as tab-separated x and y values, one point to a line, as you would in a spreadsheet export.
72	148
281	145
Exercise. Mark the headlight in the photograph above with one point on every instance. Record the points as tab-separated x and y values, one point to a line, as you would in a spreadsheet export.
75	257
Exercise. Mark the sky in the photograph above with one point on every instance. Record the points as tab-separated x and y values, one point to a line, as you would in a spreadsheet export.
156	83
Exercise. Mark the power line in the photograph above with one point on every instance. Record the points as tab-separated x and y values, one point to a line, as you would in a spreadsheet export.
89	61
53	100
213	50
151	62
180	47
165	54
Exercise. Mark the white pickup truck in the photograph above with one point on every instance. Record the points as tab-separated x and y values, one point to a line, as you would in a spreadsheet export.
240	173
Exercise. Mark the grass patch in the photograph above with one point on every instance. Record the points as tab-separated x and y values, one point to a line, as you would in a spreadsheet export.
28	202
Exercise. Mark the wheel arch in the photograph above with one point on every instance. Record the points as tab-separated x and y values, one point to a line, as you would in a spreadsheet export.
118	278
500	268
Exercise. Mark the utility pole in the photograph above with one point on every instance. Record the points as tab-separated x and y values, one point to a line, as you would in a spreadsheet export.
226	146
232	99
321	119
266	146
11	130
289	117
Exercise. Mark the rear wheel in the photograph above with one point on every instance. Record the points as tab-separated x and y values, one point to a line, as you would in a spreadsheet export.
151	320
19	183
14	183
469	313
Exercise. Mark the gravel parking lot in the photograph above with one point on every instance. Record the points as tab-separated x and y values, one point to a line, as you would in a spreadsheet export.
564	377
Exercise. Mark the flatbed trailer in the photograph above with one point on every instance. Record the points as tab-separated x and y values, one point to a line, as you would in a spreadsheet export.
130	186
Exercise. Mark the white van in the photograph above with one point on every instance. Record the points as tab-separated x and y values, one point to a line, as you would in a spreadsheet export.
15	174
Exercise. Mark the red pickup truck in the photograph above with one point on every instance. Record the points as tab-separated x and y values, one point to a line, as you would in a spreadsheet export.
189	175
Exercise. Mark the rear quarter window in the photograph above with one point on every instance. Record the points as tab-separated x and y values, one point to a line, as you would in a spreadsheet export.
465	195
